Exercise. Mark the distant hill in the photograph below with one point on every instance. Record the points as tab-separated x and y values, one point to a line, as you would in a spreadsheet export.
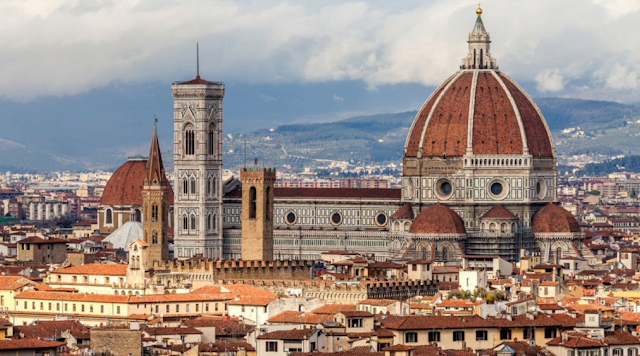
578	126
624	164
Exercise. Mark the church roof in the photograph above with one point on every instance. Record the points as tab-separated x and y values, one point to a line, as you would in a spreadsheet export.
198	81
127	233
554	218
498	212
405	212
438	219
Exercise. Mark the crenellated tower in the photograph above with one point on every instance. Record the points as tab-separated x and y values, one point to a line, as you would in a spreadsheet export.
198	167
257	213
155	205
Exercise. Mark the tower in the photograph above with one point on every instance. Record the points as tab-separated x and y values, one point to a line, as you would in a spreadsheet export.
198	167
257	213
155	205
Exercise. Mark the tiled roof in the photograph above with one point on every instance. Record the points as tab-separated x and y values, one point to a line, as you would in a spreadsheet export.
52	329
198	81
95	269
161	331
498	212
295	317
13	282
332	309
356	313
405	212
378	302
295	334
224	326
38	240
126	183
26	344
554	218
424	322
438	219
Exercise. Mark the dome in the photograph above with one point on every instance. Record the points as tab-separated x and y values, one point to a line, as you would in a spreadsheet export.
553	218
438	219
499	212
125	185
481	112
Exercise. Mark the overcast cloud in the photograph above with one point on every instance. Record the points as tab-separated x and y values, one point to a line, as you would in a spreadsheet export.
577	48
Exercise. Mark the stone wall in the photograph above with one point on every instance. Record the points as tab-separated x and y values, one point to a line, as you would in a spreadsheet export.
111	341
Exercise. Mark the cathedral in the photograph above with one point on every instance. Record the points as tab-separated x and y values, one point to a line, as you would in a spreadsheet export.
479	179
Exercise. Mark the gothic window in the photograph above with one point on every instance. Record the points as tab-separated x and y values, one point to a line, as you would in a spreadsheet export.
193	222
154	237
154	213
211	140
213	186
189	140
185	222
185	187
208	186
193	186
209	223
252	202
108	216
213	221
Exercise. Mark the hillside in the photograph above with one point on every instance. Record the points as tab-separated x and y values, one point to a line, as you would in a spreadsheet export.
579	127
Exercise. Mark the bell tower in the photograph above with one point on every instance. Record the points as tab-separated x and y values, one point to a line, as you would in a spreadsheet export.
155	205
257	213
198	168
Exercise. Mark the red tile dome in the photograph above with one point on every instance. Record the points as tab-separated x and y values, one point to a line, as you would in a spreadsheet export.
125	185
553	218
503	120
438	219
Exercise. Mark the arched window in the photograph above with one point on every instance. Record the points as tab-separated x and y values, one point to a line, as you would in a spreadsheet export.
208	186
185	222
193	186
211	140
137	215
214	219
185	187
252	203
214	183
503	228
193	222
154	237
154	213
108	219
209	223
189	140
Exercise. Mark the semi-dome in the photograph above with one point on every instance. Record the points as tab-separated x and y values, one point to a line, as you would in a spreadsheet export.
553	218
438	219
125	185
499	212
479	110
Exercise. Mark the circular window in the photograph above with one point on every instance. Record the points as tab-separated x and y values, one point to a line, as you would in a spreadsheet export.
381	219
498	189
290	218
336	218
541	189
444	189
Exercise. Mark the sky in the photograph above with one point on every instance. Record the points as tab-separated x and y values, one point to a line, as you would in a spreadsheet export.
301	61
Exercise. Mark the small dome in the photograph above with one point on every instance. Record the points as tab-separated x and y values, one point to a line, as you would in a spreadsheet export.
554	218
438	219
125	185
499	212
405	212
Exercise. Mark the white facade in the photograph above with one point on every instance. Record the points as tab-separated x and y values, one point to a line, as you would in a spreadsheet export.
198	168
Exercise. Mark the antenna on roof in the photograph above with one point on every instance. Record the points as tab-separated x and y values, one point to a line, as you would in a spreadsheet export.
197	60
245	153
155	119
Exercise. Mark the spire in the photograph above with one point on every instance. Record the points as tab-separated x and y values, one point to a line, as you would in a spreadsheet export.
155	168
479	56
197	60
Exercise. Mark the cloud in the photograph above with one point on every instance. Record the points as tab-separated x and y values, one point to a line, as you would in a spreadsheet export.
550	80
622	77
67	47
337	98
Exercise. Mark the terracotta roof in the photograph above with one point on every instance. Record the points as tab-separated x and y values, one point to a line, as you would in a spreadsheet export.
295	334
42	329
405	212
295	317
496	128
198	81
183	330
94	269
25	344
38	240
224	326
126	183
13	282
498	212
378	302
438	219
554	218
332	309
356	313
